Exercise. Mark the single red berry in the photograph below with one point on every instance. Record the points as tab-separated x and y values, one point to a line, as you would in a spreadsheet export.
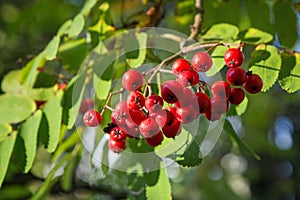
181	65
117	134
120	114
185	78
201	61
117	146
221	89
131	129
219	104
161	116
203	102
92	118
171	91
187	98
135	100
154	103
234	57
185	115
236	76
172	128
253	83
86	105
136	116
171	109
155	140
148	127
132	80
237	95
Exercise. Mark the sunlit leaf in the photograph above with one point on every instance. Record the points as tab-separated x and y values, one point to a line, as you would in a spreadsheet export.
218	60
102	87
140	51
221	31
15	108
88	6
162	189
51	48
6	149
242	107
5	129
289	77
191	157
53	112
11	84
77	26
64	28
256	36
266	62
29	133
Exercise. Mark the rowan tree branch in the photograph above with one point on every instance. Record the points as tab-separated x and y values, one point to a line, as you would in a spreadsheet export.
197	19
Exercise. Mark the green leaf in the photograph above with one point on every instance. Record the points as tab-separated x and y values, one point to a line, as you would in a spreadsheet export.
232	134
5	129
289	77
15	108
191	157
102	87
242	107
218	60
162	190
11	84
139	50
222	31
41	94
88	5
6	149
73	97
266	62
29	133
256	36
63	29
77	26
51	48
29	72
53	113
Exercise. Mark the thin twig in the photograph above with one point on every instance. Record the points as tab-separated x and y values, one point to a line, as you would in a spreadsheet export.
197	19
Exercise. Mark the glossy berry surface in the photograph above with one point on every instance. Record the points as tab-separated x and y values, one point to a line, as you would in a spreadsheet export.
154	103
203	102
237	95
171	91
253	83
172	128
155	140
234	57
132	80
117	134
148	127
236	76
92	118
135	100
181	65
219	105
86	105
116	147
185	115
201	62
220	89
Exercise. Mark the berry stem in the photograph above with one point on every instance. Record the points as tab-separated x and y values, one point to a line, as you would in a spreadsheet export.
111	94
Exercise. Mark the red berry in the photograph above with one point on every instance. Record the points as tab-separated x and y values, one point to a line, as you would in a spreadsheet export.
172	128
203	102
171	91
92	118
187	98
117	134
154	103
148	127
116	146
86	105
62	86
201	62
253	83
181	65
185	115
120	114
219	104
236	76
132	80
221	89
155	140
136	116
237	95
171	109
234	57
161	117
135	100
131	128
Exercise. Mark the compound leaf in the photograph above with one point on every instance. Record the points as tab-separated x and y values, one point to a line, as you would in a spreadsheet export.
222	31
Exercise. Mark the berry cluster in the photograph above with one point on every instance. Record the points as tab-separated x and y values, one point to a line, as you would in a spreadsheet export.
154	116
